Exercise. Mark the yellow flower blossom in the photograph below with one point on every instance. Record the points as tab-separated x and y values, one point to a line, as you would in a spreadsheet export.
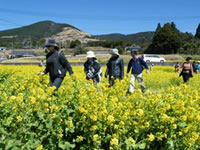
93	128
110	118
174	126
140	112
114	142
93	117
131	140
184	118
79	139
53	115
70	124
150	137
19	118
95	137
40	147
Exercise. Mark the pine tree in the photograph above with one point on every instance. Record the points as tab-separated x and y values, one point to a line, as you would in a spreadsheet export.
166	40
197	35
158	28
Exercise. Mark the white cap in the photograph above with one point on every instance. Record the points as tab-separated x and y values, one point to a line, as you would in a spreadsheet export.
90	54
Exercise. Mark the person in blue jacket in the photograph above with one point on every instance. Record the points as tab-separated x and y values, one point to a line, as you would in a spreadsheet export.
137	65
56	64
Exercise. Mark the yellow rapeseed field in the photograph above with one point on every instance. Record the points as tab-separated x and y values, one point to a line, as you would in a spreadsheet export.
80	116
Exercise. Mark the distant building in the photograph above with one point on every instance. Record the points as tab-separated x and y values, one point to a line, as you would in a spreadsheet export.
3	48
133	48
16	54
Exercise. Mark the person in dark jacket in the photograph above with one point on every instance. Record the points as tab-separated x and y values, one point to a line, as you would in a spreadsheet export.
56	64
115	67
92	68
137	65
187	70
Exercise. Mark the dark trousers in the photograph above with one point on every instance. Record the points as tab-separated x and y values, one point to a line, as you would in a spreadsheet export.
56	82
186	77
112	80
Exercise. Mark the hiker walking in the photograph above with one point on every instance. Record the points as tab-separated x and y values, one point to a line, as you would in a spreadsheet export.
151	66
92	68
197	67
187	70
115	67
41	64
137	65
177	67
56	64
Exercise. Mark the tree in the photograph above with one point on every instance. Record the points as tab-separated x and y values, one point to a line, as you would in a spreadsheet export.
75	43
158	28
80	49
166	40
197	35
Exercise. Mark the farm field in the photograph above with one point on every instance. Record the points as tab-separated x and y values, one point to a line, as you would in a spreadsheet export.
103	58
80	116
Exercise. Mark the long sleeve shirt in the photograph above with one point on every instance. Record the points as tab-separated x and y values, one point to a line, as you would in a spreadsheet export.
57	65
137	66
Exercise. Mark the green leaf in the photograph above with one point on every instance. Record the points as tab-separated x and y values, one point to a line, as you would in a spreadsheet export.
10	144
66	145
182	124
71	130
142	146
171	144
136	130
49	124
2	131
108	137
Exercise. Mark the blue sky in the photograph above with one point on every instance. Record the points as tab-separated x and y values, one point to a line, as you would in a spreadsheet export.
103	16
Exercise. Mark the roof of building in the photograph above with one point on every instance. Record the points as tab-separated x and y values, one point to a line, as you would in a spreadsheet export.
23	53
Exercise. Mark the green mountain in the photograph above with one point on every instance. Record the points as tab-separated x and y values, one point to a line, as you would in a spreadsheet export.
40	30
137	37
33	32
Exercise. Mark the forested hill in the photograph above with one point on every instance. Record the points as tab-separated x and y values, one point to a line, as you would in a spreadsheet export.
32	32
137	37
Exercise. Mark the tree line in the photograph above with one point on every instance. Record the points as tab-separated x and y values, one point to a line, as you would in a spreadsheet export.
169	40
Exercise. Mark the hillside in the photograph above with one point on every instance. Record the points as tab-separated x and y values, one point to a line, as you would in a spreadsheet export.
42	30
62	33
137	37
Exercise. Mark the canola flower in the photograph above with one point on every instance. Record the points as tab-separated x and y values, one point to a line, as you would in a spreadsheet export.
114	142
40	147
78	113
151	137
19	118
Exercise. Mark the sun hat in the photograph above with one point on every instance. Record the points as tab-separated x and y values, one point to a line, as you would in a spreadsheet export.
114	51
50	42
90	54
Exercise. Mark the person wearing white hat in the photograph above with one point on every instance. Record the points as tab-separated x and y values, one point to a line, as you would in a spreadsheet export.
115	67
92	68
56	64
